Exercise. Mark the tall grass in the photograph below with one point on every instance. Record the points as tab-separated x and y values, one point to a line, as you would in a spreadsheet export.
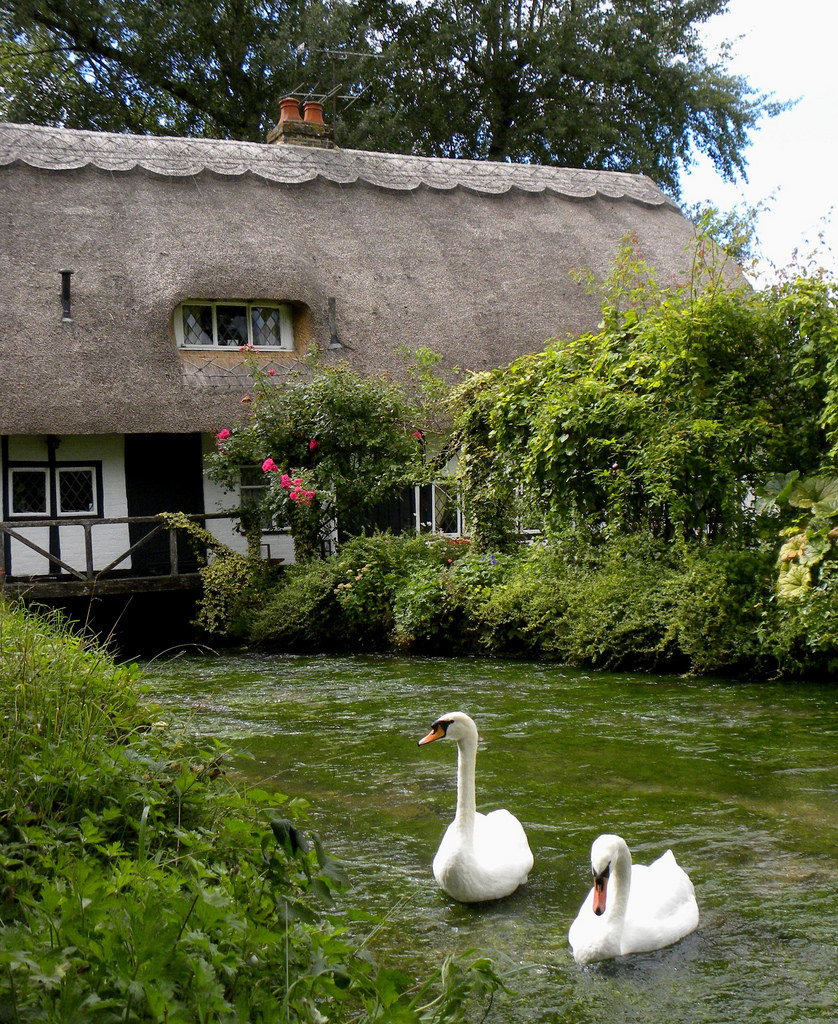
137	883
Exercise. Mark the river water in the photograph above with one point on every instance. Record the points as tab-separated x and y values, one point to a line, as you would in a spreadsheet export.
739	780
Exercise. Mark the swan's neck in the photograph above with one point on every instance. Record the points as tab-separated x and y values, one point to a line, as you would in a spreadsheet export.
466	802
619	885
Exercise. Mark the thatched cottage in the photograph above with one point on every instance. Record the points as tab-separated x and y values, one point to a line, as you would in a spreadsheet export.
136	267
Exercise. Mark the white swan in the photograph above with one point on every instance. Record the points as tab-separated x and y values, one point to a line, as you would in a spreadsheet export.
481	856
648	907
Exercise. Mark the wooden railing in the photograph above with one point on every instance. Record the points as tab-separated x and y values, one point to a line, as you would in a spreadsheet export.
75	580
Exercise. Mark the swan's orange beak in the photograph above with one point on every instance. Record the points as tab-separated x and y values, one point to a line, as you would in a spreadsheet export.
436	733
600	885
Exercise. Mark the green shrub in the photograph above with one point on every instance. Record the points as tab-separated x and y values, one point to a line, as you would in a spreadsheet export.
439	608
619	609
800	633
300	611
527	612
137	884
346	602
630	602
722	596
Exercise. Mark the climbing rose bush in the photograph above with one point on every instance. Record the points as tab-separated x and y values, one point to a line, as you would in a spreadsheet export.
332	443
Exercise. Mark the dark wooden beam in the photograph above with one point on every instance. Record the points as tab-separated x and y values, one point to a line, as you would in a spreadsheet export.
71	587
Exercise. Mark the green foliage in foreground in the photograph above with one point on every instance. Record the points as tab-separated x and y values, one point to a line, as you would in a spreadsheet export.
630	603
137	884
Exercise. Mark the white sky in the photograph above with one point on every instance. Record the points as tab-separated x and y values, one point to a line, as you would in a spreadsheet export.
788	48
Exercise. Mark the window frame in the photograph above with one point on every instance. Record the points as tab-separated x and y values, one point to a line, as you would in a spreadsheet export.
29	468
60	513
286	325
449	487
51	473
428	515
260	486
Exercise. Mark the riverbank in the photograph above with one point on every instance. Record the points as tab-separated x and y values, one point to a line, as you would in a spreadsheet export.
631	603
138	883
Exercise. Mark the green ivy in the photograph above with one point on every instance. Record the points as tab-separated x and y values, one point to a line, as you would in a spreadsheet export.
665	420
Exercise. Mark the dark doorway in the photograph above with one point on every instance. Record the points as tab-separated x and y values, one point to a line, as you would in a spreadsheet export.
162	474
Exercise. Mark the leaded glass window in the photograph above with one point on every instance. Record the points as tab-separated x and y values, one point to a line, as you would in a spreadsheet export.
197	325
76	491
231	326
234	325
266	326
446	512
29	492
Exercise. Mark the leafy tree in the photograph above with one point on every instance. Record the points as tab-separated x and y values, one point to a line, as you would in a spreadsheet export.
584	83
201	67
581	83
330	443
669	418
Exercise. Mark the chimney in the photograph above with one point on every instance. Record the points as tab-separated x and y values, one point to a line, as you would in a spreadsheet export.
313	112
297	131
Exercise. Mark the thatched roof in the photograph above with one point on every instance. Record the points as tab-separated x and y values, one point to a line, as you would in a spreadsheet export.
474	260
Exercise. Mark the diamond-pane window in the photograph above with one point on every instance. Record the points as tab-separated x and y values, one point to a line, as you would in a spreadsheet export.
29	492
254	490
445	509
232	325
197	325
76	491
266	325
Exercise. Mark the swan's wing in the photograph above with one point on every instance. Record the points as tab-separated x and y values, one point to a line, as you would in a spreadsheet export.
500	839
659	889
662	907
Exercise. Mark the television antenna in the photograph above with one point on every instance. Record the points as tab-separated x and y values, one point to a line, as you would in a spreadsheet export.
334	94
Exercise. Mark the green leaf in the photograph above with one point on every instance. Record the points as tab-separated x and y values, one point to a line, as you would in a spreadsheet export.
794	582
289	836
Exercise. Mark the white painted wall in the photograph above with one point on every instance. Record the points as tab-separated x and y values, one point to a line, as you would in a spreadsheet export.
109	541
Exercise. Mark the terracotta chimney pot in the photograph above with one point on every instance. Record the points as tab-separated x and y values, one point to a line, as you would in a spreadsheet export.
289	109
313	112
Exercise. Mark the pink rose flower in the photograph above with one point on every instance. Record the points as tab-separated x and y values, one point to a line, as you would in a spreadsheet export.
222	435
269	466
270	373
285	481
297	481
313	443
418	435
